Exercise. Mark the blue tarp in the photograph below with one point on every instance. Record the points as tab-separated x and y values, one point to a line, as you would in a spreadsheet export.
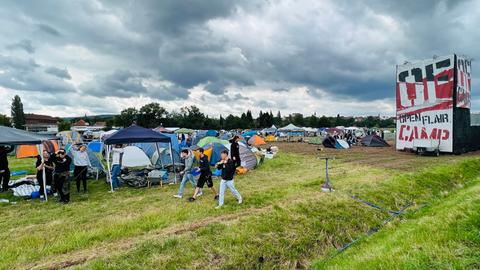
95	146
137	134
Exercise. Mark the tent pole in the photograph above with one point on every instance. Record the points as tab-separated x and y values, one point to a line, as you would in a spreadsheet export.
108	167
158	152
44	180
173	162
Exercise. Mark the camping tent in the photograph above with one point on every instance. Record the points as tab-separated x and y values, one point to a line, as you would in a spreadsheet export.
329	142
135	157
70	137
341	144
212	133
248	134
256	140
374	141
13	136
184	131
247	156
137	134
217	149
208	140
270	138
290	128
28	150
270	130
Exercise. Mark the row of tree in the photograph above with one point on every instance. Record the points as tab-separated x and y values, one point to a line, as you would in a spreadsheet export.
153	115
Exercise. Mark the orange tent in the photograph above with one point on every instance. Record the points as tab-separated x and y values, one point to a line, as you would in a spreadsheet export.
25	151
256	140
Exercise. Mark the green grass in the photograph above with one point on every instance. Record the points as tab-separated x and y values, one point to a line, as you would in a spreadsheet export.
284	223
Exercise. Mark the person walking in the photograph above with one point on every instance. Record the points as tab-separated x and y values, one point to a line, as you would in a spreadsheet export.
117	157
62	174
46	164
228	170
81	162
205	177
187	156
235	150
4	170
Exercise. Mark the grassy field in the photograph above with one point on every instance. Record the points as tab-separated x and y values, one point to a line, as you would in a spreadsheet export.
284	223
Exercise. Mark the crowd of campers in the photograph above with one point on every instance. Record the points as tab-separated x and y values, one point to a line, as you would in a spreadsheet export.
134	157
139	157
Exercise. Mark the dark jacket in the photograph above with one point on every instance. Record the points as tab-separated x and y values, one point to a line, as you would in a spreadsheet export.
228	170
4	150
235	150
61	165
204	165
48	172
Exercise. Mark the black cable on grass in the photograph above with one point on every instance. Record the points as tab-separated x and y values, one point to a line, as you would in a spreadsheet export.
371	231
373	205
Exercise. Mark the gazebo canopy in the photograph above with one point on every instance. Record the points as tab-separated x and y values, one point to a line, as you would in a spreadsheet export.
15	136
137	134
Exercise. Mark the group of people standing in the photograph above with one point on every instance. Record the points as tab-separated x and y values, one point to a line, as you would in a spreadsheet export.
226	165
57	169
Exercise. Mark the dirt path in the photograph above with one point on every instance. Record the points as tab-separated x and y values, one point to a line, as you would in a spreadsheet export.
104	249
377	157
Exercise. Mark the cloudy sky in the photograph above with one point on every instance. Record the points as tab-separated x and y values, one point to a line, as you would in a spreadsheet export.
67	58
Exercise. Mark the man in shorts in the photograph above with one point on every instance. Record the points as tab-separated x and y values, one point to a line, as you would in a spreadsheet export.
205	177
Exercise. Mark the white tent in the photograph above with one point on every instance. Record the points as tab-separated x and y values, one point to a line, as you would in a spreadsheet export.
135	157
291	127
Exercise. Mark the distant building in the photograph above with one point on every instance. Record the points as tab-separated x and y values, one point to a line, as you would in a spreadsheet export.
83	126
41	123
80	126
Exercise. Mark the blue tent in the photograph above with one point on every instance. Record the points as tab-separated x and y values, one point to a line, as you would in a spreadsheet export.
248	134
165	159
216	150
200	134
95	146
212	133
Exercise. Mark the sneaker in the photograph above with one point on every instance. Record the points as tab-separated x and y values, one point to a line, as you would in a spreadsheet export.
199	194
240	201
55	194
218	207
177	196
216	197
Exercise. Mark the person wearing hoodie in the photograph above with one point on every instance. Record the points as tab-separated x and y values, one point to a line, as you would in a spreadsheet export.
228	171
62	174
4	170
187	156
235	150
81	162
205	177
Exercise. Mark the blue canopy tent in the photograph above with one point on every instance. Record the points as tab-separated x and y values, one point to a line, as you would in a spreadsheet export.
137	134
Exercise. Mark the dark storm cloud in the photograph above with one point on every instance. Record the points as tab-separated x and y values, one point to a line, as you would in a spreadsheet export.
48	29
163	49
24	44
120	83
60	73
